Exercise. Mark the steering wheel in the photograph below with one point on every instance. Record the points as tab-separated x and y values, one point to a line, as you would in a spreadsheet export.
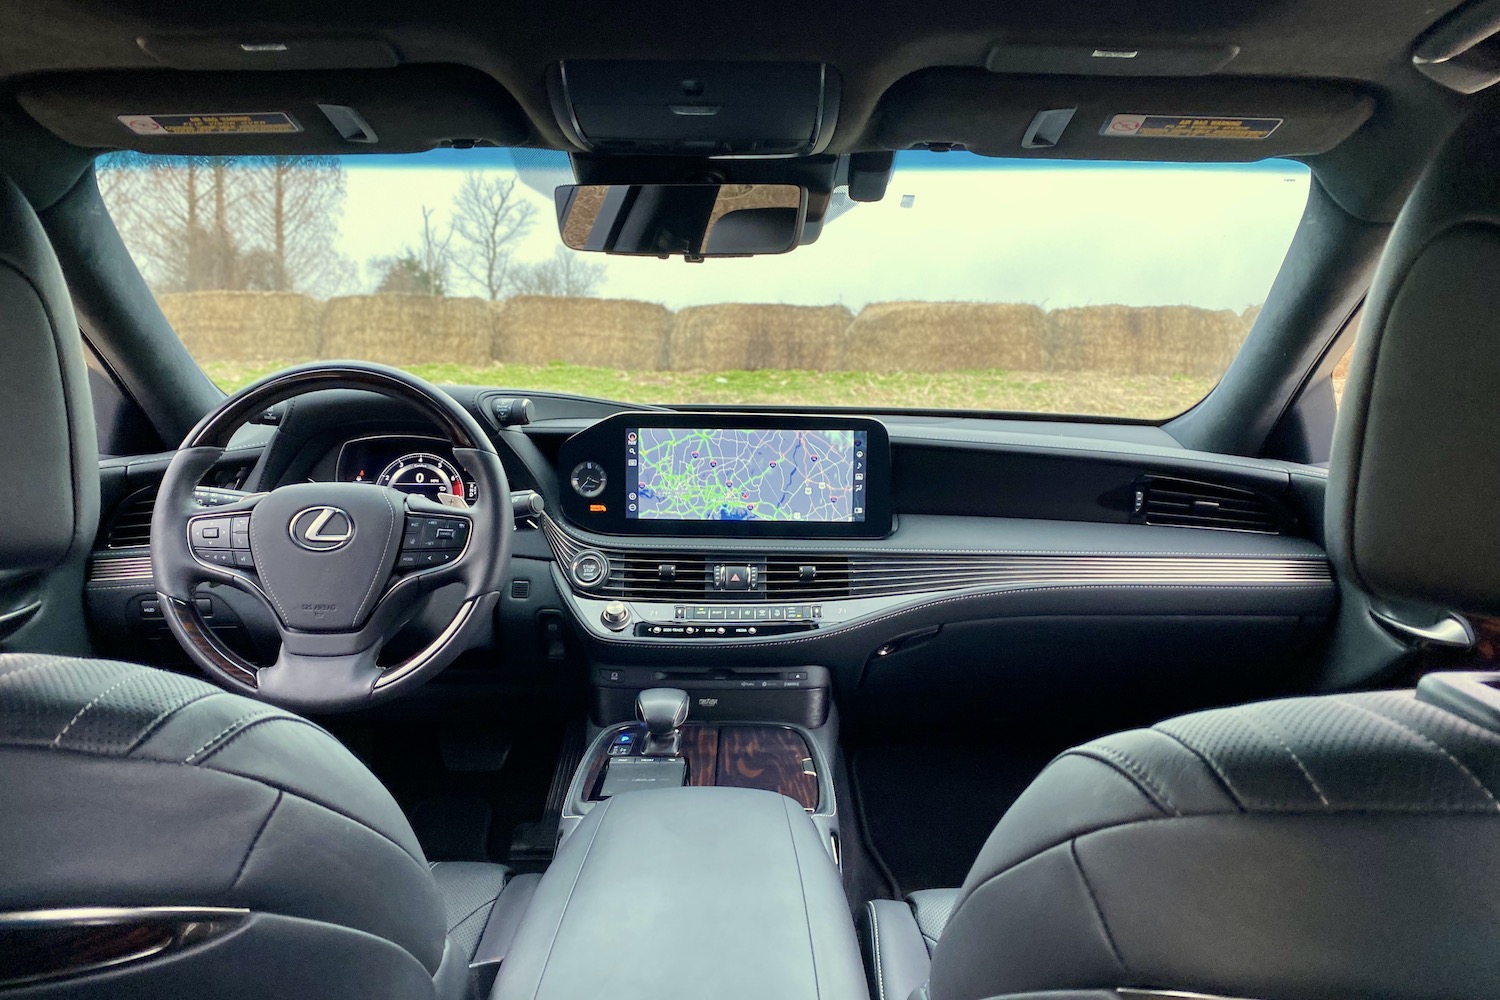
341	567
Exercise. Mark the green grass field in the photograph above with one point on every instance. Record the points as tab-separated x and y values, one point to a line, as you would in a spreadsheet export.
1152	397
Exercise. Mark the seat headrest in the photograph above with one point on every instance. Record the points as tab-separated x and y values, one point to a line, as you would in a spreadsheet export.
1414	493
49	463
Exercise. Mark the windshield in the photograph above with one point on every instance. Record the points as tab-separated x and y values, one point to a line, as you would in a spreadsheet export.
1109	289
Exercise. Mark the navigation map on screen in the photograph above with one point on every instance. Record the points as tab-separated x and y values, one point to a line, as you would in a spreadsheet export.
724	474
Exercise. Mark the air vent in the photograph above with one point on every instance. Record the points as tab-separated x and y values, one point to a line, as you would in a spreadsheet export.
1185	503
131	526
657	576
809	578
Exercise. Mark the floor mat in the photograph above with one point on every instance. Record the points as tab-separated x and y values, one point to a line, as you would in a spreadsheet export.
928	810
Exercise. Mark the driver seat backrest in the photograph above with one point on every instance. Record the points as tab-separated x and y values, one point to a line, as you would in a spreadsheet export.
1338	846
127	787
49	462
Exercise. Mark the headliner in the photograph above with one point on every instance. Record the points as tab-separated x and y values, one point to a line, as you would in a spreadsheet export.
872	45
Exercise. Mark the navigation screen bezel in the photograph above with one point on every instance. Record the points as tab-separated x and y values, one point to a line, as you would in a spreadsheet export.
604	443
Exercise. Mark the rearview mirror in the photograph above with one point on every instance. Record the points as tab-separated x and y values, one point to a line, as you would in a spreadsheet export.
689	220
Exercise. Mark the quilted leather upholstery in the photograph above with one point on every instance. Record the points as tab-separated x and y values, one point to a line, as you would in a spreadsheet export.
1295	848
125	785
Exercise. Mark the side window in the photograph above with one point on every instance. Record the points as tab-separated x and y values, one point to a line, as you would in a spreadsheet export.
1341	375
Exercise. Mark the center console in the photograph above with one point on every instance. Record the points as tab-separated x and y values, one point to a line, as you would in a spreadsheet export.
688	893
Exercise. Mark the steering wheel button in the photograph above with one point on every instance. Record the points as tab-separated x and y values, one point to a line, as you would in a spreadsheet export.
240	524
243	559
210	532
408	560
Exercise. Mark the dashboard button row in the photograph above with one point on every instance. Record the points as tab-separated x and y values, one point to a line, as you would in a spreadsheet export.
747	613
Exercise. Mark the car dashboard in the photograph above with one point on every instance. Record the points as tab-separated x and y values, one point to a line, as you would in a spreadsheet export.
986	559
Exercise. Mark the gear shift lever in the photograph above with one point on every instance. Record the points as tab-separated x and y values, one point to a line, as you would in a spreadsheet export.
663	710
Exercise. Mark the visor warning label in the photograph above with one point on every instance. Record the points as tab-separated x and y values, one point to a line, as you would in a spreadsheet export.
253	123
1189	127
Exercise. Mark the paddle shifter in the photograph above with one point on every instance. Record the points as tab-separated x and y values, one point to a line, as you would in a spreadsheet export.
663	710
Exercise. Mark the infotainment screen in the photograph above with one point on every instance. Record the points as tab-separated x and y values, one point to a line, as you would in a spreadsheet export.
728	475
814	475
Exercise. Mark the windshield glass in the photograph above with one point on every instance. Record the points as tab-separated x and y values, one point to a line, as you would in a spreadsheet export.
1110	289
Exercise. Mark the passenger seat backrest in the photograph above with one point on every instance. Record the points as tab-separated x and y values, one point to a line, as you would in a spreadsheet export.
49	462
1414	487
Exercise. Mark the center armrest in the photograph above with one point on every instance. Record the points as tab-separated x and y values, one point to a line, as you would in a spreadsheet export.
688	893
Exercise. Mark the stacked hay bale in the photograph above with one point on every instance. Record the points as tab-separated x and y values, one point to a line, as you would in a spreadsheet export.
603	333
246	326
407	329
946	336
746	337
1149	340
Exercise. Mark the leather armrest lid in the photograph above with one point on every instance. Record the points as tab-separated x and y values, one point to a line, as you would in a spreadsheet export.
688	893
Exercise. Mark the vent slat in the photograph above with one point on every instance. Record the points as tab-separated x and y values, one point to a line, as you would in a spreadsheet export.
1183	503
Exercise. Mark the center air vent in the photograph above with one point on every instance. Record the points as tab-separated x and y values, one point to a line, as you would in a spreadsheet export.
1185	503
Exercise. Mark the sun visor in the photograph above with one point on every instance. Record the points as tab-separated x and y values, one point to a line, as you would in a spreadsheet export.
403	109
1224	119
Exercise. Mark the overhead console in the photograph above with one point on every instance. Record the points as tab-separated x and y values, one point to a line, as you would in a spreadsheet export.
719	475
695	108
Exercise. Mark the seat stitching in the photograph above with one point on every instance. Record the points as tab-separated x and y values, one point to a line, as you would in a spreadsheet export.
875	948
1270	730
245	862
468	916
1431	742
1133	769
57	740
1098	910
1208	762
164	717
242	721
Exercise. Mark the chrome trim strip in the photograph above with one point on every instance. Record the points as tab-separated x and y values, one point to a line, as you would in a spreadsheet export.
900	575
1130	991
180	927
98	916
113	569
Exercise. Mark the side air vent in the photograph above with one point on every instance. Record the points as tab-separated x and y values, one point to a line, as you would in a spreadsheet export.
131	525
1185	503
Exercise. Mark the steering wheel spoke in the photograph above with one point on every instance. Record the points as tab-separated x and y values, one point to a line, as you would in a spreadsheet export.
342	567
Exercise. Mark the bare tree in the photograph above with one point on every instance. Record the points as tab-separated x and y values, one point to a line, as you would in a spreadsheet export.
566	274
294	209
420	268
195	223
489	217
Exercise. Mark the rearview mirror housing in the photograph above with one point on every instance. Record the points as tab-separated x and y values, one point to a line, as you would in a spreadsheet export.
695	221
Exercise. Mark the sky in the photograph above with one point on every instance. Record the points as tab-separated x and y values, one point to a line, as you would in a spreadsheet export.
953	226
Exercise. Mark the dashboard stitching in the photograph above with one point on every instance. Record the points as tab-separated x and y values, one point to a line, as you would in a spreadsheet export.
783	643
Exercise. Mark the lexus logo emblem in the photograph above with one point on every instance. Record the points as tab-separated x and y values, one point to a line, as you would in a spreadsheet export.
322	529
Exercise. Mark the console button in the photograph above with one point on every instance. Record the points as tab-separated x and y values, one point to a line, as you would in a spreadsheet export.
777	614
734	577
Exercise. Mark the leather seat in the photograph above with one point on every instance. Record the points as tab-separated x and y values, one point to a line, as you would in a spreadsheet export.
130	787
49	465
127	787
1337	846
